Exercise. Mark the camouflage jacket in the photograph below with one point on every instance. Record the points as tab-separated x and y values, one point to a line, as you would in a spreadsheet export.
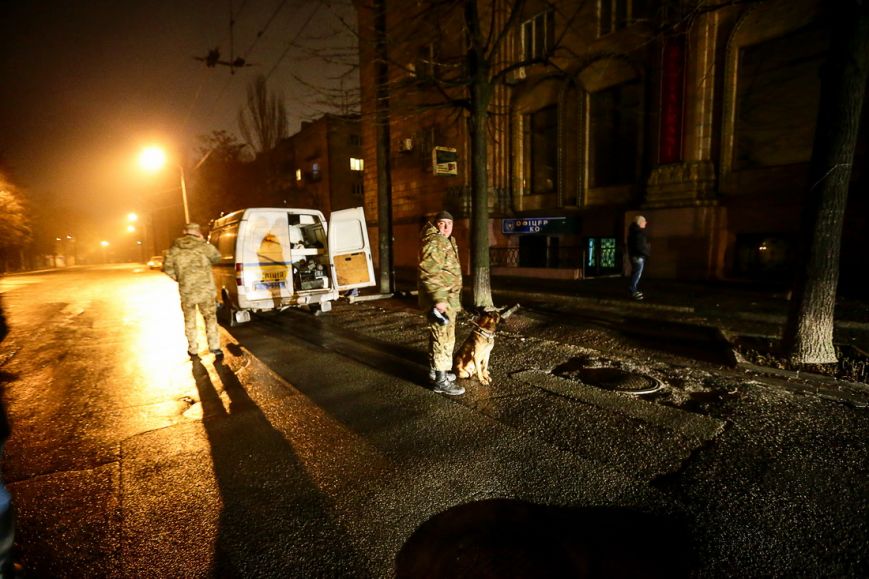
189	263
440	273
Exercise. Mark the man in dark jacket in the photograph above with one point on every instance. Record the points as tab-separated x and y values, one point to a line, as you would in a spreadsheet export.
638	252
189	262
440	292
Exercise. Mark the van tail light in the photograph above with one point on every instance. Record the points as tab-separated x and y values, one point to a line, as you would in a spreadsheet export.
239	270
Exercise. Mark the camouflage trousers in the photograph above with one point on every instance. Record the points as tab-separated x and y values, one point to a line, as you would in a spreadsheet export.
208	308
441	342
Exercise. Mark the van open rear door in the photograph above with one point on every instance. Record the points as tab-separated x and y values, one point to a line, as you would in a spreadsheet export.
350	250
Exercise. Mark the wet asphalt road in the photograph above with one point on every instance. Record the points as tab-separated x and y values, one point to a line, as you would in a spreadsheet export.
314	449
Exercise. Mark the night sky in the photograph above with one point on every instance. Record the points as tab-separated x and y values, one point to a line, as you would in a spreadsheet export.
85	85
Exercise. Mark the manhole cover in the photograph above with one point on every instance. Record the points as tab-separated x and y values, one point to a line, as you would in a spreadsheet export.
615	379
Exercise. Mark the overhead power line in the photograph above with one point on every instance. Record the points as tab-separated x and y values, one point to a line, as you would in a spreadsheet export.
292	42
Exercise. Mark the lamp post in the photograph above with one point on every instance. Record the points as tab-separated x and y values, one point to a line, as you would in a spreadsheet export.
131	219
70	240
184	195
153	159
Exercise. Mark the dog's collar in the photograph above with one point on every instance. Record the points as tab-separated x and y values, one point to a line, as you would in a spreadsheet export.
485	333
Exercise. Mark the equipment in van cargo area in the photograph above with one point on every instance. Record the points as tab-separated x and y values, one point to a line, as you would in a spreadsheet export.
274	258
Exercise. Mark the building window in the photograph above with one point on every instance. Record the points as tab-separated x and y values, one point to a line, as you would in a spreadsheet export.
315	171
355	140
617	14
358	190
614	115
298	174
672	100
541	150
538	36
425	67
356	164
777	98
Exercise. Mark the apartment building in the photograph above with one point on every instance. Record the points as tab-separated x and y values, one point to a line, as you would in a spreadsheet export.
320	167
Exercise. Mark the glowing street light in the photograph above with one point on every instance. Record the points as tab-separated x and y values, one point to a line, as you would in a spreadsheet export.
104	245
132	217
153	159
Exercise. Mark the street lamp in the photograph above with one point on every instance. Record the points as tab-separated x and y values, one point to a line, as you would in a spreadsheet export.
71	240
131	219
104	245
153	159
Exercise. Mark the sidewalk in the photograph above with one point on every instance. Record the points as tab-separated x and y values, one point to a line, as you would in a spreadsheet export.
719	301
748	316
751	318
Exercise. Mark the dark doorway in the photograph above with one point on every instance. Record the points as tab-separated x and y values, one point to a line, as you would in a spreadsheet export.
532	251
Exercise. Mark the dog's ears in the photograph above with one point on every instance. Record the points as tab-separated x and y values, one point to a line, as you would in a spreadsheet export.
507	312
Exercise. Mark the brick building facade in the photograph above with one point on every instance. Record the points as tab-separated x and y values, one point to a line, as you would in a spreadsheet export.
702	120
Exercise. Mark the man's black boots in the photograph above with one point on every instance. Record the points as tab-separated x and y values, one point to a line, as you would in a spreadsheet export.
442	385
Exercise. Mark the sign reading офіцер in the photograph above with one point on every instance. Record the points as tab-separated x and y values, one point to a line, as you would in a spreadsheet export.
537	225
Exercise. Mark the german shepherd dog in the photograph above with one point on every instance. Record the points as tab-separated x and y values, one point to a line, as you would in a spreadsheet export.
473	356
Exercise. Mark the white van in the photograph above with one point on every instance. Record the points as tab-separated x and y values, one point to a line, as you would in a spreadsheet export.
274	258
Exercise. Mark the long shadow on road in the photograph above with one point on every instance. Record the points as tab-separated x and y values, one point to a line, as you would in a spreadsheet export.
275	522
393	358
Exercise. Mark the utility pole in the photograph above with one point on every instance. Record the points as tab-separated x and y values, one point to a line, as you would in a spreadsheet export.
384	170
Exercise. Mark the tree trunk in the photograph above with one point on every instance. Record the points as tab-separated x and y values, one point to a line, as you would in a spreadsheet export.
808	334
480	200
481	95
384	178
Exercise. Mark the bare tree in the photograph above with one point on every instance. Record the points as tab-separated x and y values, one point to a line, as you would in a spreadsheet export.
383	136
224	177
15	227
263	119
809	330
468	58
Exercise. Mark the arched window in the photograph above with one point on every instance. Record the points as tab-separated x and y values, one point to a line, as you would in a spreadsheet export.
771	96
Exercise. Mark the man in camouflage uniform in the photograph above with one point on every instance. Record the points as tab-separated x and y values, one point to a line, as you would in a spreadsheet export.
440	291
189	263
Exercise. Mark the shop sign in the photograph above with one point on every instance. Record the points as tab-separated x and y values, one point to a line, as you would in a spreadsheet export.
537	225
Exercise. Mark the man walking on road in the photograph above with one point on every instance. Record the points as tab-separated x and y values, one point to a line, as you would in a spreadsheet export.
189	263
440	291
638	251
